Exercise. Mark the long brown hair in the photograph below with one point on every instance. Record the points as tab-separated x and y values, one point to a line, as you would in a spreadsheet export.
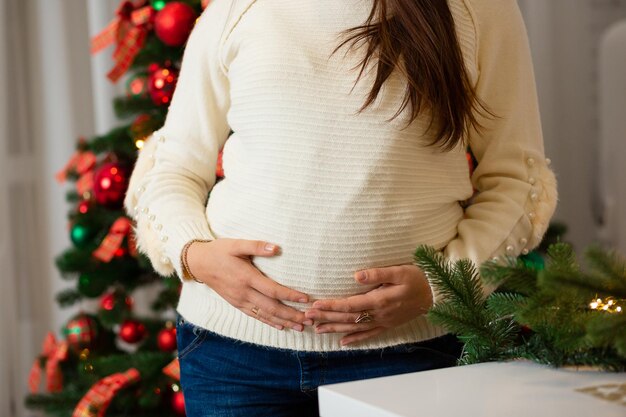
418	38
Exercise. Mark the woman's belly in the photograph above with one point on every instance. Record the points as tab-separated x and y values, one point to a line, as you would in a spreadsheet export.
326	235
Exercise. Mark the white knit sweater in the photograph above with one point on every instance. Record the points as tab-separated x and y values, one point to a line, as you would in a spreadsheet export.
337	190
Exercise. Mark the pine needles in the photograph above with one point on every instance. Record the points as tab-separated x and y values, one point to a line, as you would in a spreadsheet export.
549	314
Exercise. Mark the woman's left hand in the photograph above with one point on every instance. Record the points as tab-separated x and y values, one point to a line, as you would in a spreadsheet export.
402	294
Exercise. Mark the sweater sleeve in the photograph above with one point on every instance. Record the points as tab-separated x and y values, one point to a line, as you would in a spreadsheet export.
516	191
176	169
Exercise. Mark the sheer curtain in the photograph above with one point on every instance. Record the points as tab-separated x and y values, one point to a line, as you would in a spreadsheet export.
23	298
46	102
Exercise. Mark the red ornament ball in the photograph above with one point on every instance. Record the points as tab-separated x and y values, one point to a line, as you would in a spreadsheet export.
83	207
132	331
110	184
137	86
81	331
108	302
166	339
161	84
113	299
178	403
174	22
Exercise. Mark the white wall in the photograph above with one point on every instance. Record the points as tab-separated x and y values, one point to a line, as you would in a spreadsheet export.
564	36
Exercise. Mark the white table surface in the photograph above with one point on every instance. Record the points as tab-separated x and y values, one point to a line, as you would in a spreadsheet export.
507	389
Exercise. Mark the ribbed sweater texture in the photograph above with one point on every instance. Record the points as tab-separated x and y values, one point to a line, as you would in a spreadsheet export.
337	190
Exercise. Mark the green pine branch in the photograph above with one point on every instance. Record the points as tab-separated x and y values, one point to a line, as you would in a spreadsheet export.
464	312
514	276
541	311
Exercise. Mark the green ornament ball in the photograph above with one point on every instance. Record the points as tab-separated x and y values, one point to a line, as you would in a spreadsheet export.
80	234
158	4
91	286
534	260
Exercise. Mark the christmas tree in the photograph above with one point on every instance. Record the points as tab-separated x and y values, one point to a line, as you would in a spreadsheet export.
112	361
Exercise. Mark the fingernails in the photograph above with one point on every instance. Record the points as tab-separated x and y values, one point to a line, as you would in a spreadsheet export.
298	327
269	247
320	330
362	276
279	327
308	322
303	300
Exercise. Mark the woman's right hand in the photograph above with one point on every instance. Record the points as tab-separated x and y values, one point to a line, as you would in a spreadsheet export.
225	265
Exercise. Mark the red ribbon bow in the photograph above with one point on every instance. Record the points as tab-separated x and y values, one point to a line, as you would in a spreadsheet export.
81	162
172	369
54	353
128	30
113	240
96	401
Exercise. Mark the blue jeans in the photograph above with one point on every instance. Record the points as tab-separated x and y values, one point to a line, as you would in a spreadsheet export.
221	376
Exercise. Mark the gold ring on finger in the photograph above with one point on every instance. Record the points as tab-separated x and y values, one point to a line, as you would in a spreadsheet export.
364	317
255	310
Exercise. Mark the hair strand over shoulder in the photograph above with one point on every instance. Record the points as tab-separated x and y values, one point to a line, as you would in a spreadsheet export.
418	39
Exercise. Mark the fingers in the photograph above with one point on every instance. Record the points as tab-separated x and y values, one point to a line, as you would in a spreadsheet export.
343	327
260	282
277	313
353	304
322	316
274	290
234	277
243	247
262	319
361	336
264	295
378	276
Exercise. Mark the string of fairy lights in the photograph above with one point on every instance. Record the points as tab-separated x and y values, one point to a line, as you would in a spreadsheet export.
610	305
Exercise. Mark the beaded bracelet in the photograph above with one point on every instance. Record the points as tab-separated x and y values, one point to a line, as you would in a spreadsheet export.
186	271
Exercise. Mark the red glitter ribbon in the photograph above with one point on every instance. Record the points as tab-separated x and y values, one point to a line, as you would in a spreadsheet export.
128	30
96	401
172	369
81	162
54	353
113	240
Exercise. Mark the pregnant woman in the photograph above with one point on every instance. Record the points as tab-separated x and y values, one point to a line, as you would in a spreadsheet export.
350	122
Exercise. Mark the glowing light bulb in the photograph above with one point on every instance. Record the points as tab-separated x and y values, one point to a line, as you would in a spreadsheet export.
105	183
